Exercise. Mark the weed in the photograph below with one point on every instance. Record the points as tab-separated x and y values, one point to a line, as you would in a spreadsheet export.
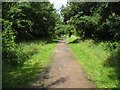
99	61
31	58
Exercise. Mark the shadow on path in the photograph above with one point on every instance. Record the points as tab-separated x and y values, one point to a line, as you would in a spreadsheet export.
57	82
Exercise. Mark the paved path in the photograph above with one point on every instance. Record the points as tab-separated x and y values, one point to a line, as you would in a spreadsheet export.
65	72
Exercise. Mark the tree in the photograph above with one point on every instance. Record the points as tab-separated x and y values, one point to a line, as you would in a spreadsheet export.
27	20
98	20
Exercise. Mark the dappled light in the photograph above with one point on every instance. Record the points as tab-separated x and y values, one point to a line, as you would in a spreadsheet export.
77	46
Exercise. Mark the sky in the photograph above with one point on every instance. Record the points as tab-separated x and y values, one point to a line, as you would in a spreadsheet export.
58	3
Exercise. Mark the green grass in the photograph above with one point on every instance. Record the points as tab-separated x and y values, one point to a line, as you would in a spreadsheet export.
99	61
32	58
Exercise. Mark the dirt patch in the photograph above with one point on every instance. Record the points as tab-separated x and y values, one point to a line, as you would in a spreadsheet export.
65	72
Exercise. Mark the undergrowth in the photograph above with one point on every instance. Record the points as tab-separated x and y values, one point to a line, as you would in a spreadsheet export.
24	62
99	59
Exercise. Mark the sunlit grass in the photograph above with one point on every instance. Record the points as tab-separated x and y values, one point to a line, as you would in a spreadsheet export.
95	60
37	55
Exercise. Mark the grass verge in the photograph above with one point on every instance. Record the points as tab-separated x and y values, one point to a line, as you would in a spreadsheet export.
99	60
28	60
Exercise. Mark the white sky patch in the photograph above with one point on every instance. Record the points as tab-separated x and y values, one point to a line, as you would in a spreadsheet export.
58	3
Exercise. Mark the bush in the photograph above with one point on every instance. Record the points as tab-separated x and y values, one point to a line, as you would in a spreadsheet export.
8	35
20	53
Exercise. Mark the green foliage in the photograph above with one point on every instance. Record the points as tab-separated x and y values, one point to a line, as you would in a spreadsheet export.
34	56
94	20
64	30
28	20
97	47
69	29
99	59
20	53
59	29
8	35
25	21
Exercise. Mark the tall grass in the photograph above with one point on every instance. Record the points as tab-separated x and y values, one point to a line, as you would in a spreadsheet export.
99	60
25	61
